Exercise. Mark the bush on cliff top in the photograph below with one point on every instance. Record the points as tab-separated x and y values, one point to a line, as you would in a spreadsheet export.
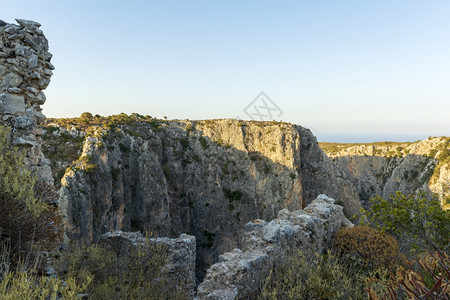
139	275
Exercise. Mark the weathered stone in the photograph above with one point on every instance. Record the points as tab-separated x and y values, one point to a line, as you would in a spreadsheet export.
14	90
33	61
11	80
2	23
18	141
233	160
11	104
25	123
40	99
28	23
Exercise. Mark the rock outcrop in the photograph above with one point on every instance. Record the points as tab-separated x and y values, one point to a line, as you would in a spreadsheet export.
239	273
384	168
25	71
180	253
206	178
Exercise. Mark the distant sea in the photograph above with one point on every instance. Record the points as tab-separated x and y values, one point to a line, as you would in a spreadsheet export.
360	138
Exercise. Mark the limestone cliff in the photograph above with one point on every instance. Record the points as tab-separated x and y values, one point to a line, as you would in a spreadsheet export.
207	178
25	71
383	168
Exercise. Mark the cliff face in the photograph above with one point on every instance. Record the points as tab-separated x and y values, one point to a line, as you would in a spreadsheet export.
206	178
383	168
25	71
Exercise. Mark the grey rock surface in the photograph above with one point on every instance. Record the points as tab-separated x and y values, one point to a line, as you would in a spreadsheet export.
239	273
23	52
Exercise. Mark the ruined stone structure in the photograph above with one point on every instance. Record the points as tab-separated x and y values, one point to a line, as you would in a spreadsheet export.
25	71
239	273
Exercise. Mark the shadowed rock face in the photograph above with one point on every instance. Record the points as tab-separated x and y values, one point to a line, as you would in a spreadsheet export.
206	178
25	71
382	169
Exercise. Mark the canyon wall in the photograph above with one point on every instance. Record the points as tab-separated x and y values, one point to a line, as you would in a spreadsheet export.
205	178
386	167
25	71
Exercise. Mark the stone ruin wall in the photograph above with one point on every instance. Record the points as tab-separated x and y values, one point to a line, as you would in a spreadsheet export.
239	273
25	71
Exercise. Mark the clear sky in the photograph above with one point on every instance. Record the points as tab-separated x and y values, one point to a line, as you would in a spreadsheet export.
349	70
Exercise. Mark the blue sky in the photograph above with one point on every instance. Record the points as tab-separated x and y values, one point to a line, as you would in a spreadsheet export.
349	70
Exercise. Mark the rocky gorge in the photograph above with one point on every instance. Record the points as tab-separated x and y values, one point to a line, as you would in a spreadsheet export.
204	178
386	167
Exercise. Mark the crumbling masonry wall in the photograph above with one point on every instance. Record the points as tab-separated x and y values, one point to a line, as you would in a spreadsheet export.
25	71
239	273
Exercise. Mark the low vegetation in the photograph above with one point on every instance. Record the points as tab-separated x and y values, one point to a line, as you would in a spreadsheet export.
138	275
404	255
28	222
395	148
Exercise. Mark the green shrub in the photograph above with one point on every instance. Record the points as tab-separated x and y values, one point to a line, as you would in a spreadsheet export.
115	173
85	163
232	195
319	277
137	275
28	225
366	247
16	179
184	143
26	285
417	221
203	142
167	172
